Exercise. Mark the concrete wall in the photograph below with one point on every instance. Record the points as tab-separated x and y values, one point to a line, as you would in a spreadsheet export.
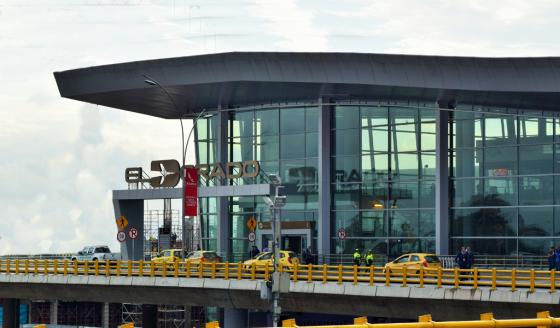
394	301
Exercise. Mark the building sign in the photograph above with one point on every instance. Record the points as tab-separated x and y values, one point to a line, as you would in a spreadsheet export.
170	172
190	192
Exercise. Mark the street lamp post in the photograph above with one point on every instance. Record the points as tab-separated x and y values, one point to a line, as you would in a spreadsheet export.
184	146
275	204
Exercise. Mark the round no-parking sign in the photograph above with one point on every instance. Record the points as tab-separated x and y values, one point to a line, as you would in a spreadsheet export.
133	233
252	236
341	234
121	236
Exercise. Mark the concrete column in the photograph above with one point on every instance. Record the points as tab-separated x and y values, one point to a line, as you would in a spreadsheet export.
234	318
149	316
188	316
223	227
133	210
324	198
442	183
11	313
105	315
53	311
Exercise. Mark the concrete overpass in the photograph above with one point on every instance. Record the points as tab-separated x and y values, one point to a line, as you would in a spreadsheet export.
449	294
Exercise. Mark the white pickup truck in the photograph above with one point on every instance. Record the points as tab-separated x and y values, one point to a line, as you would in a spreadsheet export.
94	253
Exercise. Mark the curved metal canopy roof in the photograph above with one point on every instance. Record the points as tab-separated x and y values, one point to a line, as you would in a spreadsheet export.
252	78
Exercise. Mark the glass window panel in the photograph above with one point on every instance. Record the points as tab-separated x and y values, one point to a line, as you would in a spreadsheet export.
209	225
267	122
268	168
242	204
403	195
467	192
500	161
292	146
536	159
346	142
427	223
347	169
536	221
202	129
311	174
375	140
242	149
428	129
534	246
202	148
467	162
535	190
294	202
500	192
292	120
239	250
374	195
311	145
404	126
349	220
293	171
500	246
375	166
242	124
403	224
267	148
484	222
212	127
556	221
312	119
529	127
374	116
405	165
347	246
239	225
499	130
404	141
346	197
398	247
428	165
427	194
373	224
467	129
346	117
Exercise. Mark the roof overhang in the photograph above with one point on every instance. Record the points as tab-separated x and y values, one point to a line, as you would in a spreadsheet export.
245	78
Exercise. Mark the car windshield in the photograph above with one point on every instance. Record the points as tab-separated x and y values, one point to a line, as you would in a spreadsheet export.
264	256
431	259
166	253
102	250
210	255
194	255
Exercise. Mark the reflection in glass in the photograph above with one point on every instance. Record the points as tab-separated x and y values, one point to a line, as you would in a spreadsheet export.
346	117
489	246
536	190
292	146
292	120
535	159
536	221
346	142
484	222
267	122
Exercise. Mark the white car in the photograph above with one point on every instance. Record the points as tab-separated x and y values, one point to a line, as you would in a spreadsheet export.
94	253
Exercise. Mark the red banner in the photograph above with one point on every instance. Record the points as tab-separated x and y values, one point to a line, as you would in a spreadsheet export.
190	192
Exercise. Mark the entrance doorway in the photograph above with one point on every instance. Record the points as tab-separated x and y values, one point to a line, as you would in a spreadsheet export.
295	240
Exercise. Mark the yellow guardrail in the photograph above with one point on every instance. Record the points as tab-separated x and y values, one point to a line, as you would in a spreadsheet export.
421	276
425	321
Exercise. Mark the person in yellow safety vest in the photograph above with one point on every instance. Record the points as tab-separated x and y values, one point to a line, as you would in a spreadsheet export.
369	258
357	257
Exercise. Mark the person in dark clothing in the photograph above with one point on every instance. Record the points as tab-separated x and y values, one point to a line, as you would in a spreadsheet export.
551	258
462	258
557	258
253	252
307	256
470	258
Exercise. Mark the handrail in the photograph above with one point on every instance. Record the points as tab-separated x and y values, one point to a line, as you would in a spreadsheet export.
542	320
421	276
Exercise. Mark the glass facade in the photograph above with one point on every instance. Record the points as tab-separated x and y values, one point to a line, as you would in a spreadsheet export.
503	170
383	178
504	175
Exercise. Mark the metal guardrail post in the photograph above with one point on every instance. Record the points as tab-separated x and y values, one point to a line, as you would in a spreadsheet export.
141	268
239	271
421	277
355	275
324	273
456	277
226	271
493	279
552	281
340	274
404	276
309	272
371	275
513	280
532	281
475	278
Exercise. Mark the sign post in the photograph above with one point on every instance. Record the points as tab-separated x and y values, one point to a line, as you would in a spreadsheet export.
133	234
341	233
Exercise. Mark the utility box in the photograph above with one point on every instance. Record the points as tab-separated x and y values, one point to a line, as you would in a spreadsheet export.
266	293
281	282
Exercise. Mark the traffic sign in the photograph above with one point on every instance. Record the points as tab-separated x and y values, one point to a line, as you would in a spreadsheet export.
341	234
252	236
121	236
122	222
252	223
132	233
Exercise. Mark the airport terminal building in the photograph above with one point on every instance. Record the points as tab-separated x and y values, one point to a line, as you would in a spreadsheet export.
396	153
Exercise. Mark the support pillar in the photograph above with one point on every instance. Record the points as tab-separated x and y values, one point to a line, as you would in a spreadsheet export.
188	316
442	182
234	318
133	210
223	227
324	219
11	313
105	315
53	311
149	316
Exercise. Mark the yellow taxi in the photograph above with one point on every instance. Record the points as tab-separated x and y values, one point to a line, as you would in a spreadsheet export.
413	262
169	256
197	257
287	259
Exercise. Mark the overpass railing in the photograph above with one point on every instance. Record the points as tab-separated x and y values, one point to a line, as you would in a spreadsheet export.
543	320
494	278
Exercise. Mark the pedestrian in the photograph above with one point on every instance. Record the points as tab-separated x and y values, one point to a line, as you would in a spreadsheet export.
557	258
307	255
470	258
253	252
357	257
551	258
369	258
461	258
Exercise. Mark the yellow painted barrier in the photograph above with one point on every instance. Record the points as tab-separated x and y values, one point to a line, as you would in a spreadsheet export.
212	324
543	320
127	325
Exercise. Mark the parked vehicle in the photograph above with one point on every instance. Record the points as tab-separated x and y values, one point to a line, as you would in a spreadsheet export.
169	256
413	262
197	257
94	253
287	259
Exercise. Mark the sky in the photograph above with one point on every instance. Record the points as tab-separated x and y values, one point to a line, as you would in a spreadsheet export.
60	159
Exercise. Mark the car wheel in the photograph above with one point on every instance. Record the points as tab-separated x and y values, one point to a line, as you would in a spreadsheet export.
94	259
